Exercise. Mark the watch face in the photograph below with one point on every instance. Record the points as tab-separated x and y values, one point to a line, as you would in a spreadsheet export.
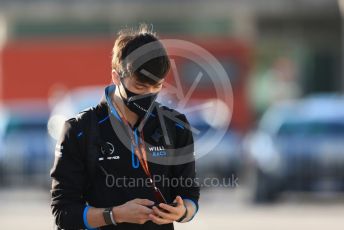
107	214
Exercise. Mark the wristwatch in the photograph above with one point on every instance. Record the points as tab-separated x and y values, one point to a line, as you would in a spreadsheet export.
184	216
108	217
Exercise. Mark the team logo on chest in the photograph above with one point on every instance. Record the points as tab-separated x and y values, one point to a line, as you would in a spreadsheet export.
157	151
107	150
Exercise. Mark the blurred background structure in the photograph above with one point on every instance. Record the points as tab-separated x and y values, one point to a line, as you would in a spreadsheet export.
284	59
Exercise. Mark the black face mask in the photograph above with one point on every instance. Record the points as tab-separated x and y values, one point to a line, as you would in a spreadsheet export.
138	103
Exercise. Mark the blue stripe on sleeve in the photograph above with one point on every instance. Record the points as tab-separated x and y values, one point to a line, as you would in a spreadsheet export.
85	218
179	126
104	119
196	207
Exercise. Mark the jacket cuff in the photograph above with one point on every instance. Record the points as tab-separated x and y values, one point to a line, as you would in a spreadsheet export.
195	205
85	218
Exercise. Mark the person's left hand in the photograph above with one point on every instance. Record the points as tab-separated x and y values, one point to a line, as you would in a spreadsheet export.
166	214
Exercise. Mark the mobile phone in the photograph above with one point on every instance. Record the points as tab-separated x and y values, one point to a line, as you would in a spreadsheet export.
174	204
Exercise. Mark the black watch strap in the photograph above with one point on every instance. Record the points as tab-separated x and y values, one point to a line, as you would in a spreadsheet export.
184	216
108	217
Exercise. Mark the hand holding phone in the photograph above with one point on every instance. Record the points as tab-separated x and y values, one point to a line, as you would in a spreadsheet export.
174	204
164	213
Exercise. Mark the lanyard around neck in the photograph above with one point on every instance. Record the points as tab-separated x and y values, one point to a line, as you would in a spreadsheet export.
140	150
139	147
